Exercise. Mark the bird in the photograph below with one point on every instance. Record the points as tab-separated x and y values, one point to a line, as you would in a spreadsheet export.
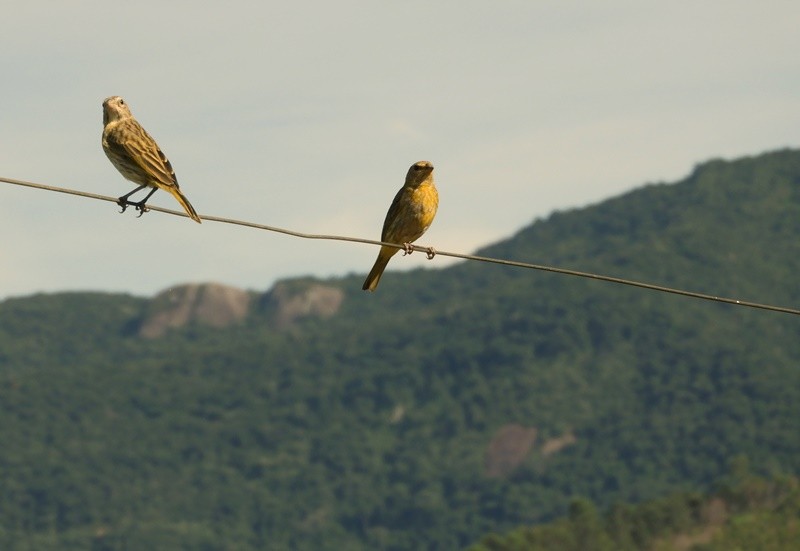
136	155
410	215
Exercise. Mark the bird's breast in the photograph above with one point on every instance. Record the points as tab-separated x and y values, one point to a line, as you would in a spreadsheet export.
425	201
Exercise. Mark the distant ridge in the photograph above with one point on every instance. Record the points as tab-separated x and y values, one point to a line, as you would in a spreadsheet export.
454	403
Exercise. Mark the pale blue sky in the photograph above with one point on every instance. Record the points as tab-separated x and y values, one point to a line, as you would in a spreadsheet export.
307	115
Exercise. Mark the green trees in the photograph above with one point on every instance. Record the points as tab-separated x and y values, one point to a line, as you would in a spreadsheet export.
748	513
369	429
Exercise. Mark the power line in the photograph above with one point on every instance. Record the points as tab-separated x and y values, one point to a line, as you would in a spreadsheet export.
503	262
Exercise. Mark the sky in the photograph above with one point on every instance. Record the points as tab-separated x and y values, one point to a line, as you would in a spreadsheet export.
307	115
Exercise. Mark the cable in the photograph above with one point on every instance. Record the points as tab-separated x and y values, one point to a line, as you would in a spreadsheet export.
516	264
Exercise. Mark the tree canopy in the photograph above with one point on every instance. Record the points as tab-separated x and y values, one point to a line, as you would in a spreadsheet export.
374	427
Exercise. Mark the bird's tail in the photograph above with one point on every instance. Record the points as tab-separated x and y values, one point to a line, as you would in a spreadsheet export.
371	283
187	206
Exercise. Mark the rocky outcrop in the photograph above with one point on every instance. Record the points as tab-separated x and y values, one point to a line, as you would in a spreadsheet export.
291	301
218	305
508	449
512	444
207	304
555	445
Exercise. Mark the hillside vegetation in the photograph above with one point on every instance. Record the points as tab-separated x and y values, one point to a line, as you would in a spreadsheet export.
745	513
449	404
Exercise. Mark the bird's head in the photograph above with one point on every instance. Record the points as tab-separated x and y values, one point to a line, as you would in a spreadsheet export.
419	172
114	109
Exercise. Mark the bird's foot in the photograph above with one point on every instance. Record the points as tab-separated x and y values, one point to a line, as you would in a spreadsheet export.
141	207
123	204
430	252
408	248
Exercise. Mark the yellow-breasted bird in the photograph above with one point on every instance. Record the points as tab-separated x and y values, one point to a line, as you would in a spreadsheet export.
137	157
411	213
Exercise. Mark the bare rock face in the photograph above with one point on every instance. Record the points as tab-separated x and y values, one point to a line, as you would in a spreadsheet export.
509	447
294	300
208	303
555	445
512	444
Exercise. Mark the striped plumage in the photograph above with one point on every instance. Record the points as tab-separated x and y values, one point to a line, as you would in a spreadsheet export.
137	156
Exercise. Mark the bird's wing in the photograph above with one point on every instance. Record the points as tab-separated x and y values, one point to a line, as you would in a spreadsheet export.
144	151
395	226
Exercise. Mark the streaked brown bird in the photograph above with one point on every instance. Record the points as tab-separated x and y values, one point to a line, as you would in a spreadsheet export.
411	213
137	157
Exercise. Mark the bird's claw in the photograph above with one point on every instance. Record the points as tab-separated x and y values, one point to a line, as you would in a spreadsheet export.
430	252
408	248
141	207
124	204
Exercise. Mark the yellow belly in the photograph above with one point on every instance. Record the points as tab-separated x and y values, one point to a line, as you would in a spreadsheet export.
412	215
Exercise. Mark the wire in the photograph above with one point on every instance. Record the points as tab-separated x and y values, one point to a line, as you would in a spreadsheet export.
430	250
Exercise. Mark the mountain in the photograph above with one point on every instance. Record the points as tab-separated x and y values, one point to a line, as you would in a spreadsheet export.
447	405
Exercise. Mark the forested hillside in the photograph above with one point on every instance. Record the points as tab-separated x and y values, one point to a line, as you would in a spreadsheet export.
449	404
746	512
